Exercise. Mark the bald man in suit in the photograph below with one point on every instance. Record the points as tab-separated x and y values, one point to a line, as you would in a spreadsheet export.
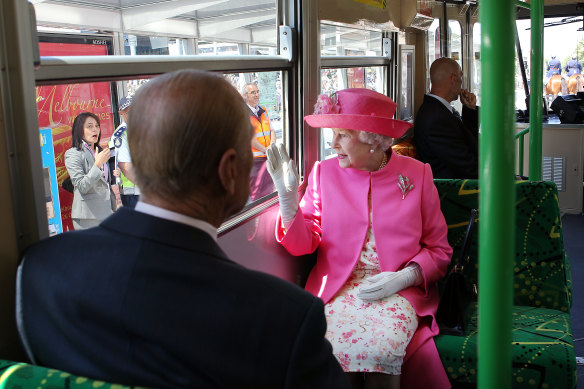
443	138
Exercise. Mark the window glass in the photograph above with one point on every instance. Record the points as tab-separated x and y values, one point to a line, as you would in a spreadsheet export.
406	83
563	39
476	62
433	41
333	80
455	41
227	27
455	50
433	47
340	40
58	105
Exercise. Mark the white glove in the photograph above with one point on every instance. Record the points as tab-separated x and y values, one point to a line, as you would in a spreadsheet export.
285	178
387	283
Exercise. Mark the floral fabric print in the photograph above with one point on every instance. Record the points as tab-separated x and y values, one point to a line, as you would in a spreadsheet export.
369	336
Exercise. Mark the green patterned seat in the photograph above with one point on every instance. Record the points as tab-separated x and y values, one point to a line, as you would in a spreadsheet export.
14	375
542	342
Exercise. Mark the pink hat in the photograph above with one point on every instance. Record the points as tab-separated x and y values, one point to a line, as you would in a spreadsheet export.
358	109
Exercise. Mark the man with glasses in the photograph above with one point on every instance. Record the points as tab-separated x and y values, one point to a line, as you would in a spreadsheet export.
260	183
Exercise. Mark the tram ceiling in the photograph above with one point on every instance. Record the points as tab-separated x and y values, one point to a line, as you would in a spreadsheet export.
244	21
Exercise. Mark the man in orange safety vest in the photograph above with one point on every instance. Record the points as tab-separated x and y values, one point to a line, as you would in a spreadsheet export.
260	181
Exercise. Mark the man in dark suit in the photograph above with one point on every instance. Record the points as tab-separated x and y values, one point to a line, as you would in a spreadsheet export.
444	139
148	298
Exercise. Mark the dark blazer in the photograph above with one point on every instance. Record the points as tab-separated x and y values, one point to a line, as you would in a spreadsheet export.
141	300
449	145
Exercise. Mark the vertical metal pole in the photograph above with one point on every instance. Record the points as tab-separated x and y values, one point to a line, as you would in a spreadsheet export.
520	157
444	31
535	99
496	199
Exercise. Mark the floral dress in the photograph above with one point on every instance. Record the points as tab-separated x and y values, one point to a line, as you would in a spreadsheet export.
369	336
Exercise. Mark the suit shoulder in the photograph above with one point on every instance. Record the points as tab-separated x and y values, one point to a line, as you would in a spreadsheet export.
273	287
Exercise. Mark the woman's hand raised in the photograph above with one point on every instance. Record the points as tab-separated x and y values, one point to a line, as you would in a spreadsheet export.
101	157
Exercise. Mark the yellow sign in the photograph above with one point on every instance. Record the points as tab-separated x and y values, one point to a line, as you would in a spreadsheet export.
375	3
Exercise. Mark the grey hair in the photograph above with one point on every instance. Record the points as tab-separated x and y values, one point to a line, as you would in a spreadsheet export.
244	88
373	139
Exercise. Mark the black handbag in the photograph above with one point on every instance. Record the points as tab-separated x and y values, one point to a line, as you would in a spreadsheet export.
458	291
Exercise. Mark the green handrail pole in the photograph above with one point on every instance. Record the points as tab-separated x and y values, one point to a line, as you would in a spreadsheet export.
535	98
521	136
520	157
497	193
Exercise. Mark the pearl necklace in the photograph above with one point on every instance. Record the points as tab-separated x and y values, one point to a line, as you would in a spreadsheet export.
383	162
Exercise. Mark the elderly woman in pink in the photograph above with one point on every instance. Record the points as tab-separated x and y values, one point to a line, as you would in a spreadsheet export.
375	218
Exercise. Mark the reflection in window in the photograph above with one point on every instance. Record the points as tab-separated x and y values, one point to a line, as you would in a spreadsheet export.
433	46
433	41
455	50
406	86
229	27
476	62
455	41
58	105
338	40
333	80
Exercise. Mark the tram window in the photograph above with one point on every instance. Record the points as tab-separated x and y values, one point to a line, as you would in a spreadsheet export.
58	105
433	41
455	49
226	27
476	62
455	41
336	40
433	47
406	83
333	80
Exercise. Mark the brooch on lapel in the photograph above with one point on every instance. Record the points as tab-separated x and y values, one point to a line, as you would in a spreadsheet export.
405	185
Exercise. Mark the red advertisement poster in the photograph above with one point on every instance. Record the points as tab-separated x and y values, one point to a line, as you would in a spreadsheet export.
58	105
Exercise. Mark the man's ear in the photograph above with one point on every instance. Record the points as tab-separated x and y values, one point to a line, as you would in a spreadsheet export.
228	170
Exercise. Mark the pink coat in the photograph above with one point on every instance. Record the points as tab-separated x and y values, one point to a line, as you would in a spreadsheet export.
334	218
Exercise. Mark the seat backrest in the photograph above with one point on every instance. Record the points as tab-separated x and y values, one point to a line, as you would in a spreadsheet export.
16	375
541	268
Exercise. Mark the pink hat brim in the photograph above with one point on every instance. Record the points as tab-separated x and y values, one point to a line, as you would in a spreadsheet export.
380	125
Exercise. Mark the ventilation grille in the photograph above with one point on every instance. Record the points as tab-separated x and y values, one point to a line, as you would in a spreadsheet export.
554	169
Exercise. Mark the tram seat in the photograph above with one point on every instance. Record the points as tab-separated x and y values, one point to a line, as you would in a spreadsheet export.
542	341
17	375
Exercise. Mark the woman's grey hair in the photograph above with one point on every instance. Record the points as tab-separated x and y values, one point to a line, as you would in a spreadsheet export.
384	142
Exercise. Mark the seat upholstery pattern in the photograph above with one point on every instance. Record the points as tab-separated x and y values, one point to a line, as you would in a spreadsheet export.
16	375
542	341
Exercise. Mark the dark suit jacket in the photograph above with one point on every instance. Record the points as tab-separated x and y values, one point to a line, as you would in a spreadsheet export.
145	301
447	144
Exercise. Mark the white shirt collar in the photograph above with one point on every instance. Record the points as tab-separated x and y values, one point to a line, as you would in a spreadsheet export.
162	213
254	109
443	101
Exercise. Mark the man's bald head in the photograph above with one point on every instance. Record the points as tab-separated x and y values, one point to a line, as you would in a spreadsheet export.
446	78
182	123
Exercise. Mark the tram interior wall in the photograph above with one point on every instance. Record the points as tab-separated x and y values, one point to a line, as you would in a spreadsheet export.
563	141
